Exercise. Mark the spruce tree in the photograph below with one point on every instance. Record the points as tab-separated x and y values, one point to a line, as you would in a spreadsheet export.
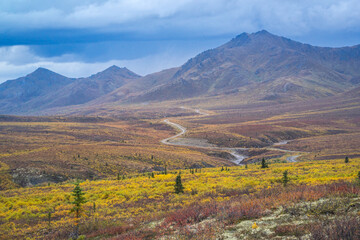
79	200
49	218
285	178
179	188
264	164
346	159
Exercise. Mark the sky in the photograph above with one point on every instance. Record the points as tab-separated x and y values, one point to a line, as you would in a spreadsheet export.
82	37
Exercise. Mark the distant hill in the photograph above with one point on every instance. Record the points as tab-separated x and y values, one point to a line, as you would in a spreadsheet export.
14	93
44	89
83	90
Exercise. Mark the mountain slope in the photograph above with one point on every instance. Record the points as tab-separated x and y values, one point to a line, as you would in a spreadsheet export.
138	86
267	66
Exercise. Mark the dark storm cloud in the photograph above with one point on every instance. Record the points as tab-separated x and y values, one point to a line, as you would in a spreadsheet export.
100	31
210	16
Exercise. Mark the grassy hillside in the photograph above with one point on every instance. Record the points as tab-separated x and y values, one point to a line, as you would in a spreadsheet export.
214	203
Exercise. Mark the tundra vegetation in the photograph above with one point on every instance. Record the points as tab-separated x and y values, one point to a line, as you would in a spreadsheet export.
214	204
128	177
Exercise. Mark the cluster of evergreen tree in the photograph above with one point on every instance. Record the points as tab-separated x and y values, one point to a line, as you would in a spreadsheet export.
225	169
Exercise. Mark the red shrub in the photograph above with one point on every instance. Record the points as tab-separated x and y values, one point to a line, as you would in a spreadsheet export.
290	230
243	210
110	231
193	214
142	234
346	228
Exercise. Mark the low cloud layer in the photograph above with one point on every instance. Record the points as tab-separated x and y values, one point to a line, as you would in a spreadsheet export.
16	61
67	32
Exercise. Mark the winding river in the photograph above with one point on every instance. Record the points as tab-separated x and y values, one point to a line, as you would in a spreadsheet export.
238	158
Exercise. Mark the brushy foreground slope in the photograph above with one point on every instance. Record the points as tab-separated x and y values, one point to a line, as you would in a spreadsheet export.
240	201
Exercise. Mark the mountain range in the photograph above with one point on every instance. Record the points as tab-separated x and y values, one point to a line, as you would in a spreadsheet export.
253	67
45	89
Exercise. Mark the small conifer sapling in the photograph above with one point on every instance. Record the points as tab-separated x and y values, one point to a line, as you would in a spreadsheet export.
179	188
49	218
78	202
285	179
264	164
